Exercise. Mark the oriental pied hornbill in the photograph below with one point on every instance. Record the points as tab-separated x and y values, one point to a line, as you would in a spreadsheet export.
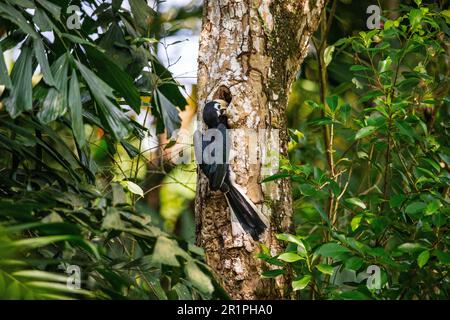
218	171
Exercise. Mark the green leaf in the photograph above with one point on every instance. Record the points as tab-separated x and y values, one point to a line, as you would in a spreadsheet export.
166	252
272	273
302	283
142	13
385	65
328	55
52	8
289	257
112	220
423	258
331	250
411	247
325	268
354	295
199	279
41	19
356	202
118	79
76	110
364	132
332	102
358	67
432	207
415	16
115	119
39	52
170	114
40	275
276	177
415	207
168	86
354	263
396	200
133	188
182	292
17	18
4	76
55	103
20	97
356	221
293	239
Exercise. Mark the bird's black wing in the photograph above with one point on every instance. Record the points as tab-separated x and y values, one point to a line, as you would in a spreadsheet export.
216	171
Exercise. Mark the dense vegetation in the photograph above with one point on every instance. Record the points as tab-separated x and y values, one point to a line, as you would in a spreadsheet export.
369	158
370	163
61	204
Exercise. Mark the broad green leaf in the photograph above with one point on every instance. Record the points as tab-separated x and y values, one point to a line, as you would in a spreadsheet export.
39	53
331	250
432	207
411	247
356	221
55	103
166	252
423	258
276	177
40	275
20	96
272	273
170	114
142	13
168	87
118	79
182	292
76	110
332	103
396	200
385	65
52	8
358	67
354	263
325	268
115	119
293	239
328	55
302	283
112	220
198	278
38	242
133	188
41	19
415	207
357	202
354	295
289	257
415	17
4	76
444	257
10	13
364	132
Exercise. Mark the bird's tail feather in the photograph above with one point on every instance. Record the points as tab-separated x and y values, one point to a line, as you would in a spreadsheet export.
248	215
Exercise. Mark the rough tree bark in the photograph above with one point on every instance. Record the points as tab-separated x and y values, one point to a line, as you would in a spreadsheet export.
250	52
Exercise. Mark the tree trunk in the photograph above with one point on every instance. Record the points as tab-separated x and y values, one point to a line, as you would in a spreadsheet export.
250	52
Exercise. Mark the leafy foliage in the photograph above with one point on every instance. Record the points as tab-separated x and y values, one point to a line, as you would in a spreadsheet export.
381	197
70	91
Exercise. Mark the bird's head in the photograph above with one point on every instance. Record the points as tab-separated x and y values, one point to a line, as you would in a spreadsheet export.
212	111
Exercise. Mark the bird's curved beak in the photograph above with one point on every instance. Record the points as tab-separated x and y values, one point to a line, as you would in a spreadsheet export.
223	106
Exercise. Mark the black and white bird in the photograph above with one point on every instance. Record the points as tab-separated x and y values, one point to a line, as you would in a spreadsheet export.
218	171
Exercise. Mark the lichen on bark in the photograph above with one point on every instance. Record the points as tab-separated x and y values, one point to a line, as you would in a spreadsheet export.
250	52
